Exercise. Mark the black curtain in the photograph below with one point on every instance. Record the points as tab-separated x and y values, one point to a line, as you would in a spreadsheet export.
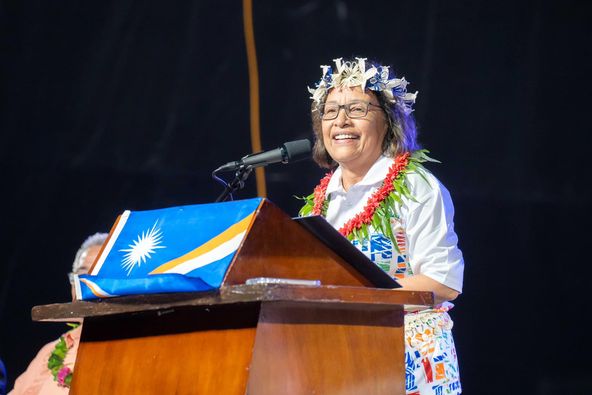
130	105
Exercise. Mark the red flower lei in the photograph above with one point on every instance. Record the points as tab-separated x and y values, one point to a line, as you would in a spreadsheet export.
364	217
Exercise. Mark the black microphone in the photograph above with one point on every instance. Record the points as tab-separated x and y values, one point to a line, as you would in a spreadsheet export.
290	151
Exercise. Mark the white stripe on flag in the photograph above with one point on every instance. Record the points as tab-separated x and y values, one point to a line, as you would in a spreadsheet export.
95	289
122	220
214	255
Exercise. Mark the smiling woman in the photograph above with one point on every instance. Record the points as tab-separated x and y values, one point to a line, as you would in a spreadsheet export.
381	198
353	138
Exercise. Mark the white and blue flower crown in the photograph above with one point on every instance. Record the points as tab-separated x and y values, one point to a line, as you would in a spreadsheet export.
375	78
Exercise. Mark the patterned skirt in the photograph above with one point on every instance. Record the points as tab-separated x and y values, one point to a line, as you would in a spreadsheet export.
430	357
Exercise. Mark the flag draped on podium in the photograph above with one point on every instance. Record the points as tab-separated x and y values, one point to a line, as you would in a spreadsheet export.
177	249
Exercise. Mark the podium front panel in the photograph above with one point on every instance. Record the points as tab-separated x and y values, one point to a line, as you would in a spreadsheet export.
320	348
192	351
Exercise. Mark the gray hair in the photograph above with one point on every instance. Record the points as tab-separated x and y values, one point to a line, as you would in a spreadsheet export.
94	240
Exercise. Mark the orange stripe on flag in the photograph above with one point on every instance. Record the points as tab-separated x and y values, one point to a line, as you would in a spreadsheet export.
208	246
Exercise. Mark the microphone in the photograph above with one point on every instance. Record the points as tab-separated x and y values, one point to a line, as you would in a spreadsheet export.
290	151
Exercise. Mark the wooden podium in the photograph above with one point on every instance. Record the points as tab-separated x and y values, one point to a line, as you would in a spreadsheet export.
343	337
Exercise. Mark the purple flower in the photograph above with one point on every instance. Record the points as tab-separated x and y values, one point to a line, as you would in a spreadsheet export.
62	375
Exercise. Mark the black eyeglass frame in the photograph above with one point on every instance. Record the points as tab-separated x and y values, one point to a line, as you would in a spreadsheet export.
346	108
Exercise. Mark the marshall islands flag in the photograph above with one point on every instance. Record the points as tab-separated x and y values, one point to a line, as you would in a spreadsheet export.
177	249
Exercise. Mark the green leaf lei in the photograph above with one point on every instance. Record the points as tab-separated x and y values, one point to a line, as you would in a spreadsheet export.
55	363
382	206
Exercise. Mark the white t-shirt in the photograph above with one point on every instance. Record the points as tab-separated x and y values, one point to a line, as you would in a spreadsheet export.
425	229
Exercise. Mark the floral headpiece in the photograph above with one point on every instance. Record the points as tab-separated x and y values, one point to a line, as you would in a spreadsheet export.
375	78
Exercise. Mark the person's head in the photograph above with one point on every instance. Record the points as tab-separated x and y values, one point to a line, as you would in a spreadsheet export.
376	118
86	255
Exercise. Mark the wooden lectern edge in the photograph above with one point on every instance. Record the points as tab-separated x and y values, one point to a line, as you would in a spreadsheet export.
330	294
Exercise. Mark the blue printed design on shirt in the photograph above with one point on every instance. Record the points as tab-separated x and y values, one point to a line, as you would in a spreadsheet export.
439	358
454	386
379	250
410	366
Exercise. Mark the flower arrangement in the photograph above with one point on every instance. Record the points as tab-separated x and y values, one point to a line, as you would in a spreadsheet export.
375	78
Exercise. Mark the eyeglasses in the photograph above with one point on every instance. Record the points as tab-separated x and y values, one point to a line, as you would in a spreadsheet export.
354	109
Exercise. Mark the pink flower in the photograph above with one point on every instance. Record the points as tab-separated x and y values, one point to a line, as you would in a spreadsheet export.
62	375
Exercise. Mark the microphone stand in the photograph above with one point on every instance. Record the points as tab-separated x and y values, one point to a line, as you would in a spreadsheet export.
237	183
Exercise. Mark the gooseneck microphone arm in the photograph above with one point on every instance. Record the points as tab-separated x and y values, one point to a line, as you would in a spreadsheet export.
238	182
291	151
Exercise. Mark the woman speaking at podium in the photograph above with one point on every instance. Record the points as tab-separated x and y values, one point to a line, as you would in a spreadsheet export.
379	195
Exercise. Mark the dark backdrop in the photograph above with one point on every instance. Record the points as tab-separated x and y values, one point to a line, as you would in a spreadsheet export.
114	105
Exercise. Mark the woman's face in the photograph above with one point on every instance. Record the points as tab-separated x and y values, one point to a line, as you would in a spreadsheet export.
354	143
